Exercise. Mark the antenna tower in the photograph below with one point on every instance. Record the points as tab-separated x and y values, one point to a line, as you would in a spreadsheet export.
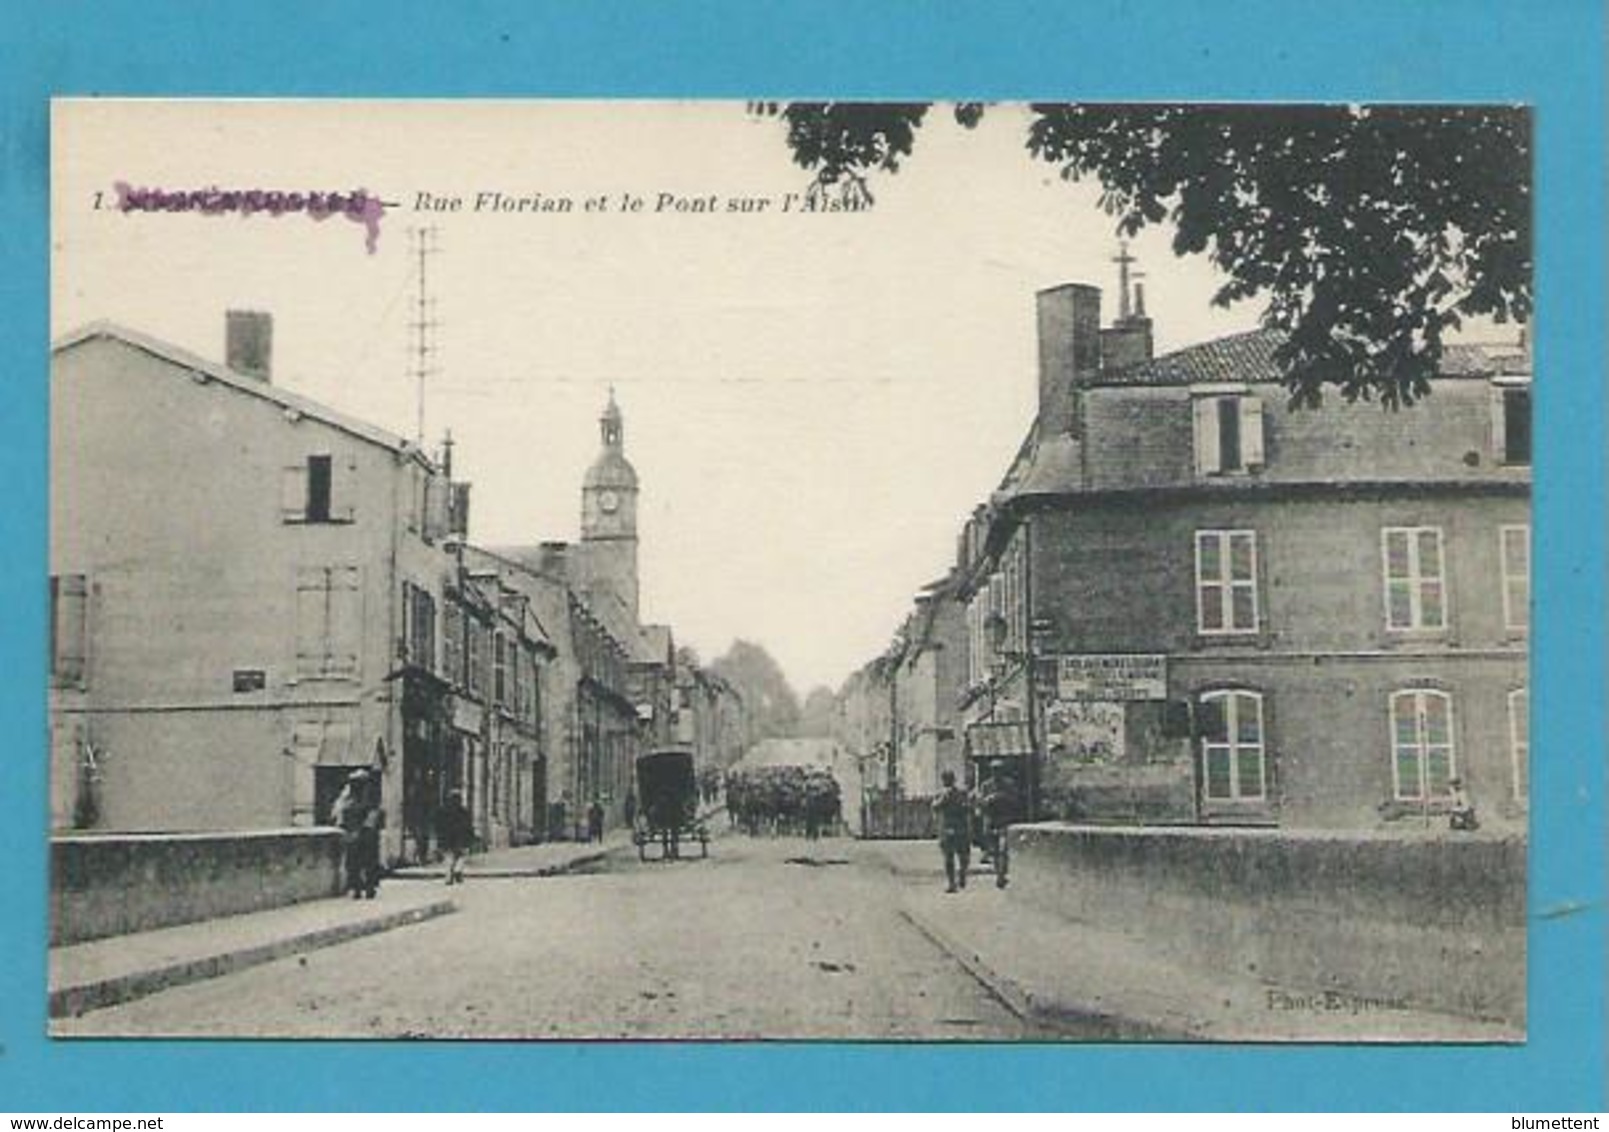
422	244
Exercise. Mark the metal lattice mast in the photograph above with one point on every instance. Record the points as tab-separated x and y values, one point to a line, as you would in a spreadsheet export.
423	327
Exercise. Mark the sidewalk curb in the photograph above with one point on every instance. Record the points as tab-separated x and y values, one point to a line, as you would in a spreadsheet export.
435	872
70	1001
1062	1020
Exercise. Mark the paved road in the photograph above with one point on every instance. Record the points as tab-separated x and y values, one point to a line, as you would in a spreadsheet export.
744	945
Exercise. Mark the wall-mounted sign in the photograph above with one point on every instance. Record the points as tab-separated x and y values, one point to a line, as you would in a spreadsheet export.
1112	677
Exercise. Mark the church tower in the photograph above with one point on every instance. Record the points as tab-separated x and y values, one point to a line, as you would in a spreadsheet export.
609	512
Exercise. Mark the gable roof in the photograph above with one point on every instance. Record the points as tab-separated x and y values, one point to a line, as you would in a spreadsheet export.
184	360
1249	357
656	642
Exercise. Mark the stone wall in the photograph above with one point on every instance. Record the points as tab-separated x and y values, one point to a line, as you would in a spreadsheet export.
1432	921
103	885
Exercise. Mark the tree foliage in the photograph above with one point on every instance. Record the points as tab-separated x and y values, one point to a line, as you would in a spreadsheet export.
771	706
816	716
1368	231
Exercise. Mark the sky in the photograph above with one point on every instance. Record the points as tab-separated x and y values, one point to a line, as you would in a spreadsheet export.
814	402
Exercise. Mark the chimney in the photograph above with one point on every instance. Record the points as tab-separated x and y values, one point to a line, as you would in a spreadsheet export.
1069	352
1128	342
555	560
249	343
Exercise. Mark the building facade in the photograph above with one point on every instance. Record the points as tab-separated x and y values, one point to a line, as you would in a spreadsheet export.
253	595
928	679
232	570
1188	603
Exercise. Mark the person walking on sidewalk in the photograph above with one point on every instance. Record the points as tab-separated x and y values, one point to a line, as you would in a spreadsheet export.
455	832
954	810
595	821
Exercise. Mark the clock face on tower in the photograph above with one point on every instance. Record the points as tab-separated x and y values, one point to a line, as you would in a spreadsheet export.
609	501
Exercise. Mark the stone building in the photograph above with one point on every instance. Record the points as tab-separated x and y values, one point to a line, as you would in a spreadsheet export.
240	580
492	657
590	732
708	714
613	682
929	674
1188	603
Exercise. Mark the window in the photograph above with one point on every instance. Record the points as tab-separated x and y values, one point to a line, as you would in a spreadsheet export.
1421	744
1232	746
1511	423
328	621
1519	741
1414	586
1226	581
981	652
318	490
500	669
516	675
1228	432
69	608
452	645
1516	551
477	659
418	627
536	695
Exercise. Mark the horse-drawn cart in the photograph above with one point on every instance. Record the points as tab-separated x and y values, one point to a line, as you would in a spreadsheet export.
667	809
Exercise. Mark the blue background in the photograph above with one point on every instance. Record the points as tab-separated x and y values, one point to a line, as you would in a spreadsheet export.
1550	54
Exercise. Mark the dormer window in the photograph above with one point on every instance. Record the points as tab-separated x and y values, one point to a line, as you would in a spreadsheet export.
1228	430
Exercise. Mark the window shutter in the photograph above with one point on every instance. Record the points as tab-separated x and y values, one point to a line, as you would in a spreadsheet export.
293	494
312	599
1208	461
343	489
1499	421
69	632
1251	431
346	620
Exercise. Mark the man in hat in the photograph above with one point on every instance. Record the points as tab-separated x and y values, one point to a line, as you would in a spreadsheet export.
350	812
954	811
454	832
998	806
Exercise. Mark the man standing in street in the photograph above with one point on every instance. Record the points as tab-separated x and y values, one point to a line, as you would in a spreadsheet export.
454	833
347	815
954	812
998	807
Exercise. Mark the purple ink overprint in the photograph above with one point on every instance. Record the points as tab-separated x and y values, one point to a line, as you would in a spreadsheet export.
360	206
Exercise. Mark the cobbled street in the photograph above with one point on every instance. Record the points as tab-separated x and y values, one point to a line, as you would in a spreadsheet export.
775	938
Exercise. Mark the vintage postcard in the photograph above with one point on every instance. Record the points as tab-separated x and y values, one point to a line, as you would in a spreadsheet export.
756	571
